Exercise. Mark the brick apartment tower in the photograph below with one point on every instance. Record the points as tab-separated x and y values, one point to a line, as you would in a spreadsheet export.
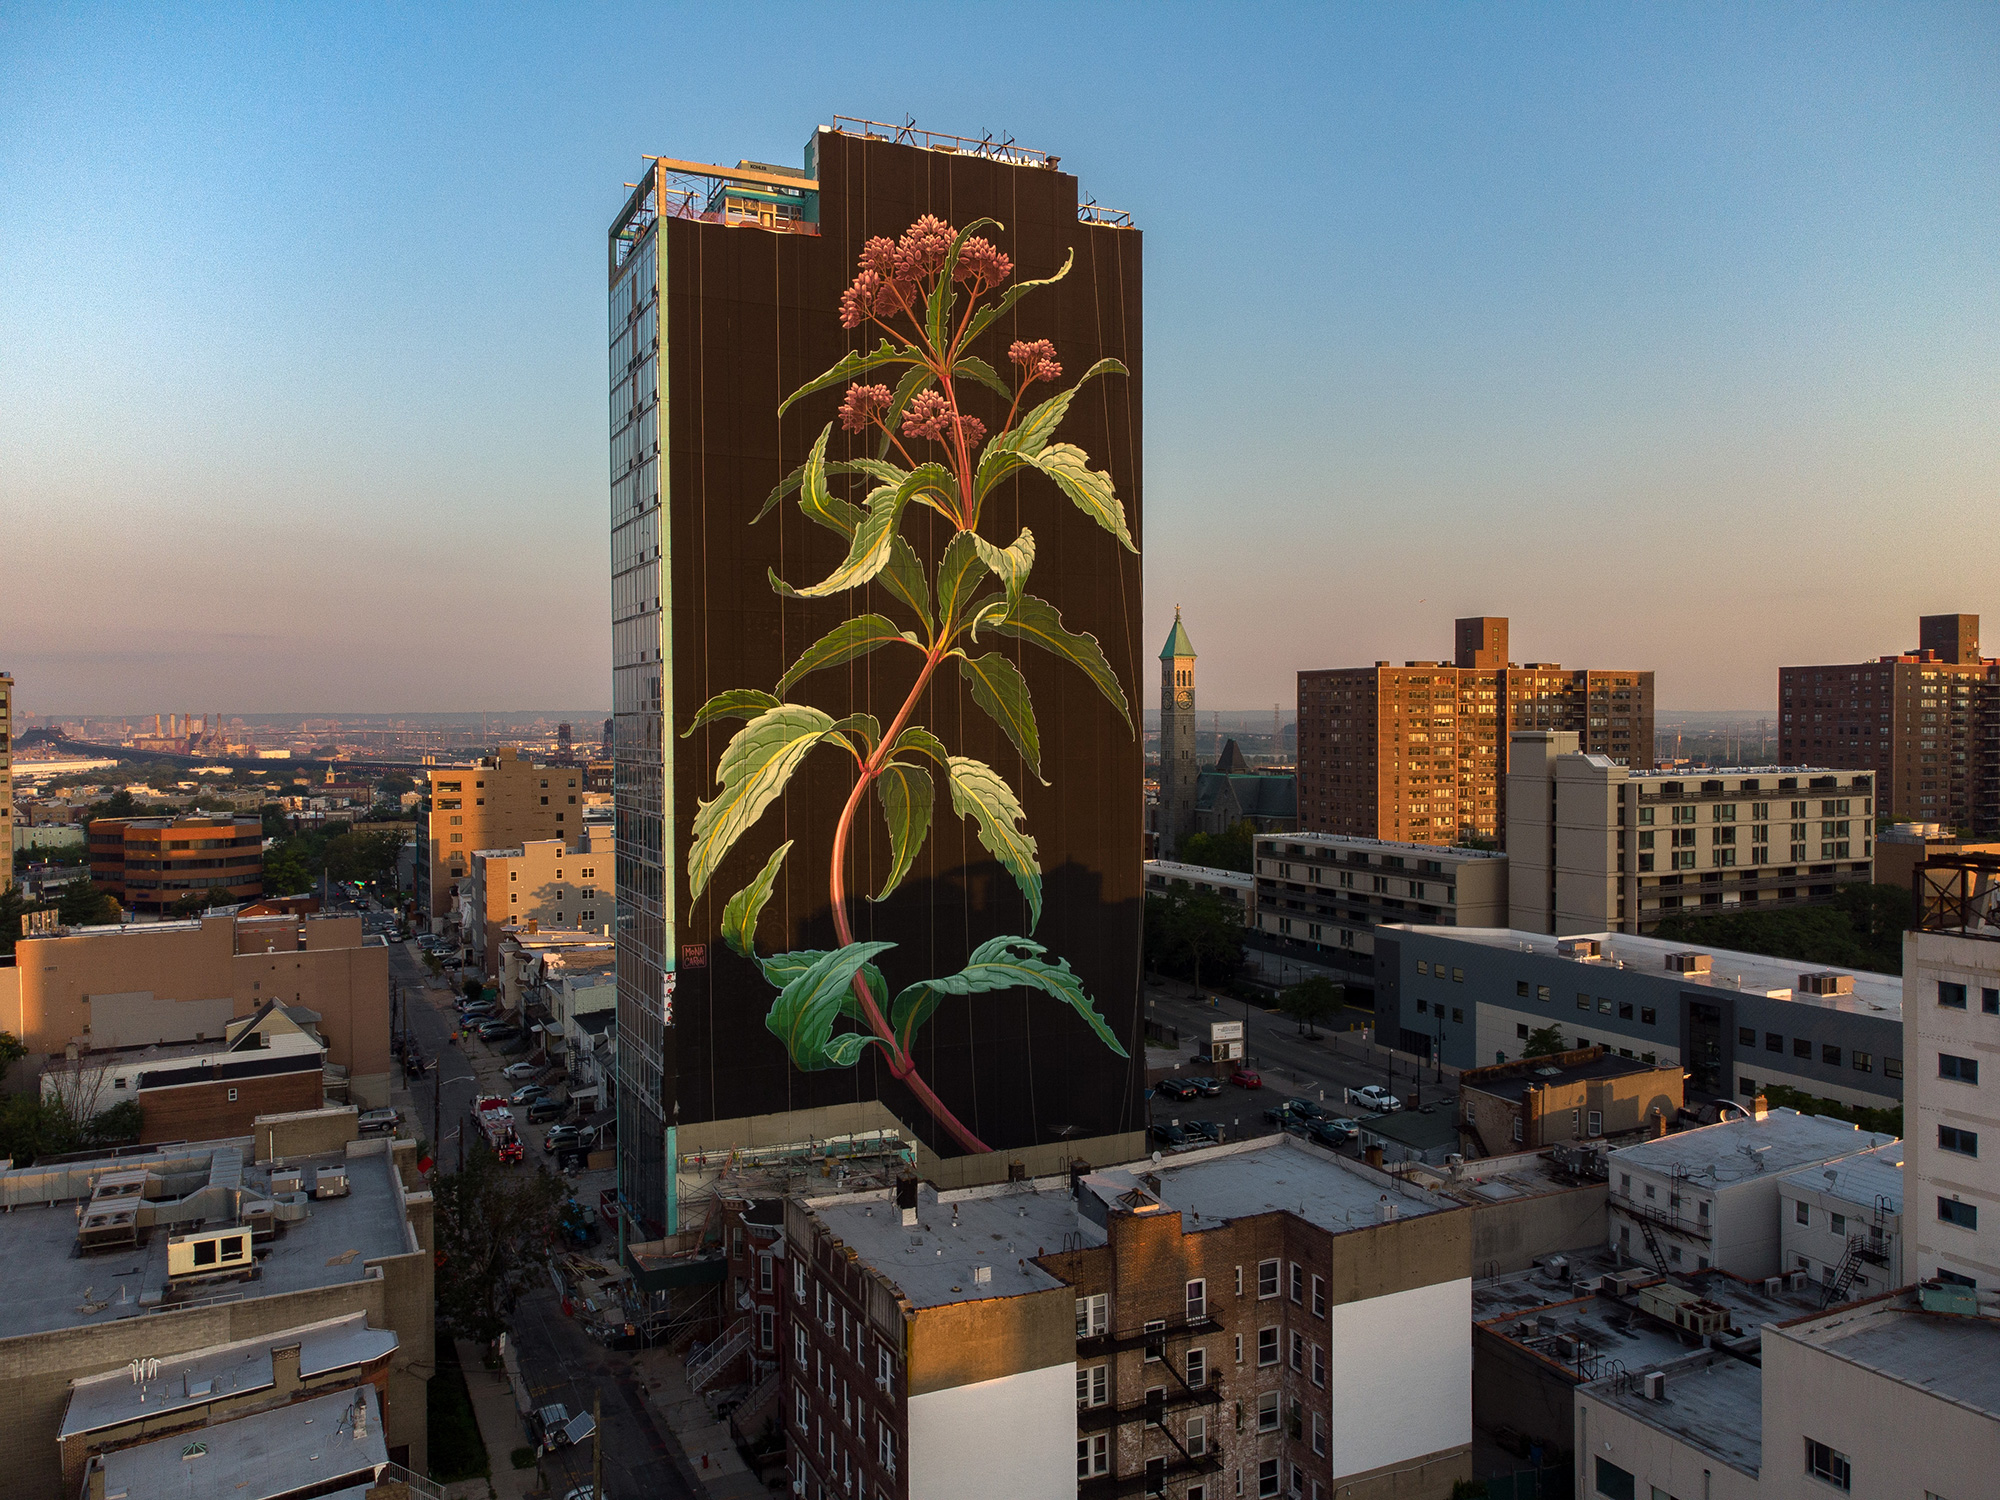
719	307
1179	770
1927	721
1418	753
6	782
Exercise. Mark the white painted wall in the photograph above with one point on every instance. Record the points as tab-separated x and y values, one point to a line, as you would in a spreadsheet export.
1007	1439
1401	1378
1928	1172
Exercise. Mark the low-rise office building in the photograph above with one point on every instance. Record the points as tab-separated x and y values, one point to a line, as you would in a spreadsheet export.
153	864
1842	1223
1596	846
1709	1197
1737	1023
1584	1095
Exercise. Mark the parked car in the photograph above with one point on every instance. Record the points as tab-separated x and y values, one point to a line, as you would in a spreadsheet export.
1310	1108
1206	1130
496	1031
1208	1088
1243	1078
547	1108
378	1119
1279	1115
1377	1098
521	1070
483	1012
558	1137
527	1093
1327	1133
1175	1088
1347	1127
1169	1135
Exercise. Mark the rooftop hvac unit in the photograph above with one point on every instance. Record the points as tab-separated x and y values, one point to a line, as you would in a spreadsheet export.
1584	948
1773	1285
330	1182
1656	1385
1687	962
288	1180
290	1208
1826	982
1798	1281
209	1252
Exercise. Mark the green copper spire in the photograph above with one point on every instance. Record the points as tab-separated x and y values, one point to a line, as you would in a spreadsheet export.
1178	643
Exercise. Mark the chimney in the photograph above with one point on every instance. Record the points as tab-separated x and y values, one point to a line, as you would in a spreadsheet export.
1656	1123
285	1369
1760	1107
1374	1156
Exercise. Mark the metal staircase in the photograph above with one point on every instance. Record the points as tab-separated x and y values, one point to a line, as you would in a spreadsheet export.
713	1360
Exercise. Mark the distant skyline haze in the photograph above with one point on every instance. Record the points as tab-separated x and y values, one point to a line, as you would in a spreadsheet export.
1671	334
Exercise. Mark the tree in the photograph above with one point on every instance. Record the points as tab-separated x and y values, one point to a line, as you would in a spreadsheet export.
12	1050
120	804
1233	849
277	823
285	872
12	907
1194	935
1861	928
360	856
1544	1041
1311	1001
81	903
495	1231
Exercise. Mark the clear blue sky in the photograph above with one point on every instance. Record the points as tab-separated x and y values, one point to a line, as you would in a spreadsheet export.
1672	332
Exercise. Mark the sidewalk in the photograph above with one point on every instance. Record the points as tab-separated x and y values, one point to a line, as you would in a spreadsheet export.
707	1454
499	1428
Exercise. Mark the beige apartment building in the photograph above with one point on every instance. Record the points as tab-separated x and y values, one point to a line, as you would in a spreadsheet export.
106	989
547	882
1593	846
500	801
1419	752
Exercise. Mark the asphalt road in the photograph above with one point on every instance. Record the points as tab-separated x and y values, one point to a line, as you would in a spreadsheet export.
428	1014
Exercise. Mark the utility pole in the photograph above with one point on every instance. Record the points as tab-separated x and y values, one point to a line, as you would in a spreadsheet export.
597	1445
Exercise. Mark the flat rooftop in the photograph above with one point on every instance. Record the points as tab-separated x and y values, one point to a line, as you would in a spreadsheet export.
1384	846
1514	1086
1714	1402
221	1371
55	1287
1759	773
1264	1175
1750	973
937	1262
1744	1147
1859	1179
253	1458
1956	1358
1173	870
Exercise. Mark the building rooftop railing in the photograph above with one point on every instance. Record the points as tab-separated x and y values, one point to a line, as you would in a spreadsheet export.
907	134
1957	893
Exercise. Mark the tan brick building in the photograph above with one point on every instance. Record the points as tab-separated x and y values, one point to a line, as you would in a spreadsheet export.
1916	719
553	883
105	988
500	801
1581	1095
1418	753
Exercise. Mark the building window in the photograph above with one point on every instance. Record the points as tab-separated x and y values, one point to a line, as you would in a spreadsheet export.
1802	1212
1613	1483
1773	1042
1964	1142
1521	988
1963	1069
1989	1002
1267	1477
1197	1301
1318	1297
1093	1385
1298	1283
1830	1055
1319	1435
1826	1464
1197	1436
1892	1067
1746	1036
1267	1278
1951	996
1863	1062
1298	1352
1093	1315
1267	1412
1964	1215
1267	1346
1197	1369
1093	1455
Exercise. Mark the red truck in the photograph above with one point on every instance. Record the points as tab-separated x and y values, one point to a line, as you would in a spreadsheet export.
492	1118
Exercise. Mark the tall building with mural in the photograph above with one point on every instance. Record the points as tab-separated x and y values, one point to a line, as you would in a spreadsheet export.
725	290
1178	768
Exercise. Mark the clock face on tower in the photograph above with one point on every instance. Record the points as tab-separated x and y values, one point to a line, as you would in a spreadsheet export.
1183	697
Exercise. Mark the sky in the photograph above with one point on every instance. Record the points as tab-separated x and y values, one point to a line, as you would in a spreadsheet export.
1670	332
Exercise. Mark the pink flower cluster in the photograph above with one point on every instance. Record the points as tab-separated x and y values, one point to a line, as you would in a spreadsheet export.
981	265
929	416
891	273
1037	360
865	405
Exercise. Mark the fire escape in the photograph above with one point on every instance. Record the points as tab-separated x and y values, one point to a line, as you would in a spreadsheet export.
1652	1219
1170	1395
1870	1247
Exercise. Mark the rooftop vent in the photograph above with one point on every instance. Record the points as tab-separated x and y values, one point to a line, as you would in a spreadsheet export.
1826	982
1688	962
1580	948
1656	1385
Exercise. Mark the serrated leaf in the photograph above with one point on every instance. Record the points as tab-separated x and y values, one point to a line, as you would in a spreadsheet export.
876	469
846	641
1010	565
737	703
1004	963
802	1016
785	486
999	688
944	296
959	572
845	1050
780	969
905	793
1031	434
818	505
739	918
852	364
873	539
903	577
907	389
985	374
1090	489
980	793
920	740
1040	623
866	725
990	314
753	770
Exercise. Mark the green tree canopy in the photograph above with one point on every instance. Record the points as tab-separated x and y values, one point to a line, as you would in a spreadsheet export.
1313	1000
1234	849
1544	1041
85	904
1194	935
1862	928
495	1232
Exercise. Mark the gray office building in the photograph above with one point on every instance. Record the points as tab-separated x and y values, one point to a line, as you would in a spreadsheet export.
1737	1022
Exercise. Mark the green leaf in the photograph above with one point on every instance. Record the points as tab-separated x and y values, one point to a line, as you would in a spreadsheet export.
802	1016
1004	963
739	918
980	793
906	794
1040	623
737	703
990	314
1069	466
944	296
753	770
785	486
866	725
903	576
855	363
907	389
1031	434
818	505
873	540
923	742
985	374
999	688
958	574
782	968
876	469
846	641
845	1050
797	477
1010	566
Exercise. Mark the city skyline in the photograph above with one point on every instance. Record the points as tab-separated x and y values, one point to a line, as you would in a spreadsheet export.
1592	293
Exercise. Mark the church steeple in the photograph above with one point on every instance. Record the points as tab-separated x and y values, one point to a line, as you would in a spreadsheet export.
1178	643
1178	771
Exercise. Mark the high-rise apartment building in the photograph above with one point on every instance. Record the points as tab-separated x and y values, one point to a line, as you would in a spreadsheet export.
1918	719
1418	753
502	800
722	303
6	781
1179	771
